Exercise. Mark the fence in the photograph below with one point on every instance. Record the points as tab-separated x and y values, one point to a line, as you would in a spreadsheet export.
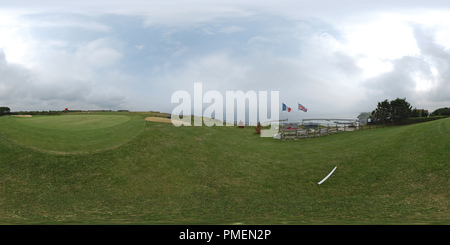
293	131
289	132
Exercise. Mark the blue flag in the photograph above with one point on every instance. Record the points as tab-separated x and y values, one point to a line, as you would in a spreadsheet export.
284	107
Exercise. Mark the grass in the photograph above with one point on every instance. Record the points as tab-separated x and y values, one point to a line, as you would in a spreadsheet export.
72	133
225	175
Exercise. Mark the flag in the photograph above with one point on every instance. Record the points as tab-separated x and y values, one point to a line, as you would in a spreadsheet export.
302	108
67	109
286	108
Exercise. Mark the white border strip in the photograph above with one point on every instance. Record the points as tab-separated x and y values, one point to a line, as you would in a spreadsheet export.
327	176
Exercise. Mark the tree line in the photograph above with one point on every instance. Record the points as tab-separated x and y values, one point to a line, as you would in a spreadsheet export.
4	110
7	111
399	111
441	112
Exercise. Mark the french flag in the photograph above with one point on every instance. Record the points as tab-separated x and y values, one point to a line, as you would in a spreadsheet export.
286	108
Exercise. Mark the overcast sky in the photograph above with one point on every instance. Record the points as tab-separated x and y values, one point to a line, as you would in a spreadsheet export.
337	58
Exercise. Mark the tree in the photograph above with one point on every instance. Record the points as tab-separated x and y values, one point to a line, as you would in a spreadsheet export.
382	113
4	110
424	113
395	111
441	111
400	110
415	113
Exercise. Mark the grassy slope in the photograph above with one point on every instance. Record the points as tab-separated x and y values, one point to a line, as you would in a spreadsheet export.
72	133
228	175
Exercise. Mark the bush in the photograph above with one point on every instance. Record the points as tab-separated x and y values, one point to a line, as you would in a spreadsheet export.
412	120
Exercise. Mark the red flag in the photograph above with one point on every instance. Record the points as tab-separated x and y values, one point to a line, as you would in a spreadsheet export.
67	109
289	109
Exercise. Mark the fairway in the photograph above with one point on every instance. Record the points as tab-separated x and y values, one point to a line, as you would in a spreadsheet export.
74	122
146	172
72	133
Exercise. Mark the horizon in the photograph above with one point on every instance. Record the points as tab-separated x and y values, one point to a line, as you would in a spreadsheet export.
333	58
247	121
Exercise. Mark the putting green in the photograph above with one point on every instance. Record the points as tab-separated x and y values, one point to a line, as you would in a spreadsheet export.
74	122
72	133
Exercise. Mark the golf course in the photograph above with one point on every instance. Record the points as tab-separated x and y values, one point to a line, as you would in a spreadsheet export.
119	168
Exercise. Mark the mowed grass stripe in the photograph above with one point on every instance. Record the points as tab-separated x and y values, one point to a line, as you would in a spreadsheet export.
72	134
74	122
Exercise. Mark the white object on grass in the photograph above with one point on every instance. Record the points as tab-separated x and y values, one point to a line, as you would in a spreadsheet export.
327	176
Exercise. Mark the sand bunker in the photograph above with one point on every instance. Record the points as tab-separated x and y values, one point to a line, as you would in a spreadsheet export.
161	119
22	115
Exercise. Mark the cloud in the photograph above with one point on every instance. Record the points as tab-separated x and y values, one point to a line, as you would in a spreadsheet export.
315	73
83	61
400	81
438	57
422	78
139	47
322	54
231	29
24	89
14	80
99	53
59	22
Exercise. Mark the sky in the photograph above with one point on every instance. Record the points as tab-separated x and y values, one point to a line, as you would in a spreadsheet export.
337	58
